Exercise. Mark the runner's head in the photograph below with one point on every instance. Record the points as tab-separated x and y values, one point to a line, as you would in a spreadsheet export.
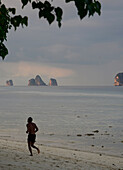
29	120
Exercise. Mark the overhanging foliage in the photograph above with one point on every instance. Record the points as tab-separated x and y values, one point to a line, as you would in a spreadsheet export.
9	19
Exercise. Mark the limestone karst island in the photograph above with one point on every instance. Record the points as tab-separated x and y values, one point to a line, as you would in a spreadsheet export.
118	80
39	82
9	83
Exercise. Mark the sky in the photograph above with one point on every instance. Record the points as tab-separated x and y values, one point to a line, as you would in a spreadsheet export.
80	53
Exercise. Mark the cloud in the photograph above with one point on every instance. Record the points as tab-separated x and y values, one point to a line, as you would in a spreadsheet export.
28	70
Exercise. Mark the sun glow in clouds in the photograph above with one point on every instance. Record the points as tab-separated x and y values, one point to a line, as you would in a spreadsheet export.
30	69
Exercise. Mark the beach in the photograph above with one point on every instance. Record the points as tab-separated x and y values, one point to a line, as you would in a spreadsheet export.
80	128
15	155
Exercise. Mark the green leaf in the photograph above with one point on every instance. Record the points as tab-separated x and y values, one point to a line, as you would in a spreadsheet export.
98	7
24	21
24	2
41	13
59	14
34	5
82	11
3	9
47	4
40	5
50	18
13	10
88	1
3	51
91	9
15	21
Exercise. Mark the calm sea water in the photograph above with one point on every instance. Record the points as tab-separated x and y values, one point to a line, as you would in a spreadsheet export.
81	118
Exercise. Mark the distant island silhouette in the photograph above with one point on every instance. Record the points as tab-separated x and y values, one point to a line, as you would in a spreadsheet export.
39	82
9	83
118	80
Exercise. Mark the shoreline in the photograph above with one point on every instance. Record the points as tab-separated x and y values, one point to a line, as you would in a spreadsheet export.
15	155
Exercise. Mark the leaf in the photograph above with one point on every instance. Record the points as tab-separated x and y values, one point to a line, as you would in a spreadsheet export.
3	9
91	9
98	7
34	5
47	4
13	10
59	14
24	21
88	1
24	2
82	10
50	18
40	13
3	51
67	1
40	5
15	21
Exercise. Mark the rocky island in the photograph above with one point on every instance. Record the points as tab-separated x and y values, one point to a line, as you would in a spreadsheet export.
39	82
53	82
9	83
36	82
118	80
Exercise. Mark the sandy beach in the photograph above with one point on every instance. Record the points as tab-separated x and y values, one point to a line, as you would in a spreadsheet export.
15	155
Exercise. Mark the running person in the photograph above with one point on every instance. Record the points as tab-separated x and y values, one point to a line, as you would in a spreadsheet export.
31	130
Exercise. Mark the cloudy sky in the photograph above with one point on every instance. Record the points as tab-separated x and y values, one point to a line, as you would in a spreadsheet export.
87	52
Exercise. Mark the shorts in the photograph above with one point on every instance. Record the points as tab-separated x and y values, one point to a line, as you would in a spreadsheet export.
31	138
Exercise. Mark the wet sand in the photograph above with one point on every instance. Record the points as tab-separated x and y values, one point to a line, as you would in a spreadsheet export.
15	155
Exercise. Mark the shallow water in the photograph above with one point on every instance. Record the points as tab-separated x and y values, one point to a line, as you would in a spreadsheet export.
66	116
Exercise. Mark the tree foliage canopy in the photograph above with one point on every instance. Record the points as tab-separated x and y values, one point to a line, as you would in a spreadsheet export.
9	19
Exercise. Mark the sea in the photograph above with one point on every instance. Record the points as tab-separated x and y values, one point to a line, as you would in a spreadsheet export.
82	118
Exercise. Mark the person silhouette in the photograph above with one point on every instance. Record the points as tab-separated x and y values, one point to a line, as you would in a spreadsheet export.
31	130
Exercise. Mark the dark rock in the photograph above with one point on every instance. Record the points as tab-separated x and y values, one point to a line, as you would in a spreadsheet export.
53	82
51	134
9	83
31	82
118	80
39	81
89	134
96	131
36	82
79	135
68	135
